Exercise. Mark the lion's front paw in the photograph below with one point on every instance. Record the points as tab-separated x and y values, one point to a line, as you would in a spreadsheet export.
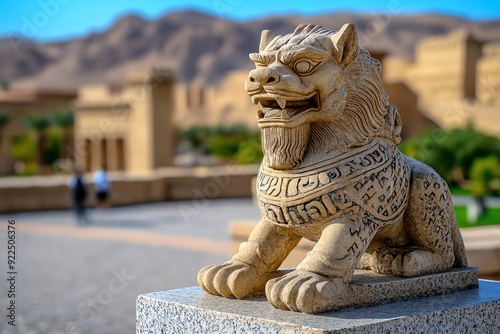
303	291
233	279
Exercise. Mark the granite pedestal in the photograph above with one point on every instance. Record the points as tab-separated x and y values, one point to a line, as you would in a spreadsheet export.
474	310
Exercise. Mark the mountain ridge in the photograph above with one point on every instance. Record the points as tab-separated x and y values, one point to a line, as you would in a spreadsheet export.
199	47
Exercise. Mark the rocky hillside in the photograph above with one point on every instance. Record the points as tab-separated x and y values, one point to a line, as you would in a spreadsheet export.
199	47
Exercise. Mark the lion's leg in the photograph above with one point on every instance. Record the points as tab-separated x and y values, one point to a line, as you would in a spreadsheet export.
319	281
248	271
427	222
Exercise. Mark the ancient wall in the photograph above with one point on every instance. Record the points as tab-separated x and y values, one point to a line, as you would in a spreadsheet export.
102	128
52	193
440	68
488	75
453	80
227	103
129	128
456	79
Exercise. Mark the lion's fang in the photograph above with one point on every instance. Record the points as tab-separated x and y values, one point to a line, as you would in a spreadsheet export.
282	103
284	114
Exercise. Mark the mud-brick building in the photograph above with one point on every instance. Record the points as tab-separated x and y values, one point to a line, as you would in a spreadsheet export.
126	128
456	78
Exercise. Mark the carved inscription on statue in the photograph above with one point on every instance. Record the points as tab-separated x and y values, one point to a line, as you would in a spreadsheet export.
332	174
325	193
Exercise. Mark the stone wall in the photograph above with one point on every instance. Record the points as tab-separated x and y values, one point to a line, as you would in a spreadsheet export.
456	79
51	192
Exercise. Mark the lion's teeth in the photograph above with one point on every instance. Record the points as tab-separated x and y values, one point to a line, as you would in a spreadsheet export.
282	103
284	114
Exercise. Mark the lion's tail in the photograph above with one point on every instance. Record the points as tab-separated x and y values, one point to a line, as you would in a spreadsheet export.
458	247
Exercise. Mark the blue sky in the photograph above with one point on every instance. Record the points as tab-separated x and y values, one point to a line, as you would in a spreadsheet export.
46	20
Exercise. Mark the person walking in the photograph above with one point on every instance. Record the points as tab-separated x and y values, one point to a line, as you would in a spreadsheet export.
102	187
78	196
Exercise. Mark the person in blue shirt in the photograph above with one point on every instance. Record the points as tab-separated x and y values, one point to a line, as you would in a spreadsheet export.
102	187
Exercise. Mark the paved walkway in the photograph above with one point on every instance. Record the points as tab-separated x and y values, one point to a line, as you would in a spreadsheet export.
79	280
75	279
490	202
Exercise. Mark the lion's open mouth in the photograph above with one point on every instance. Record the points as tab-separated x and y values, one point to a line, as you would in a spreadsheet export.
281	108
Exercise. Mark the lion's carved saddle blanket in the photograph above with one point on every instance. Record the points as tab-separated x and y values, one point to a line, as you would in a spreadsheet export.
374	177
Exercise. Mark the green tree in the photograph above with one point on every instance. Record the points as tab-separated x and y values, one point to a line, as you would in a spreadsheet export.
429	148
52	151
451	153
39	124
227	142
485	176
195	135
468	144
223	146
4	119
22	148
250	151
65	120
485	179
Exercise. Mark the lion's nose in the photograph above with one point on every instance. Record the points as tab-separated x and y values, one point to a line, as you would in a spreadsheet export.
264	76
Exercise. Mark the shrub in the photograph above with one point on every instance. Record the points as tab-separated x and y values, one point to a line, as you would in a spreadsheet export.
451	152
23	148
485	176
228	142
250	151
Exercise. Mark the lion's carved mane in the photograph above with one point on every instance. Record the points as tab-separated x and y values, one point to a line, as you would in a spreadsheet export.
367	113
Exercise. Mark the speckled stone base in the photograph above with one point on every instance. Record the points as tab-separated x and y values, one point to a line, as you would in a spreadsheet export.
191	310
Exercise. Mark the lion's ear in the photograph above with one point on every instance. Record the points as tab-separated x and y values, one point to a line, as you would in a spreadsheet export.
345	43
265	38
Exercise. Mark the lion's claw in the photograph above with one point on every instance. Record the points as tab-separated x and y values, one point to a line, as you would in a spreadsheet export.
233	279
303	291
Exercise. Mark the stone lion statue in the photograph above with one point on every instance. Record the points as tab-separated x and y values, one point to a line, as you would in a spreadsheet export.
332	173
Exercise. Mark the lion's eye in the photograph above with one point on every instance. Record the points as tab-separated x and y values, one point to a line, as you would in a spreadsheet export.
303	67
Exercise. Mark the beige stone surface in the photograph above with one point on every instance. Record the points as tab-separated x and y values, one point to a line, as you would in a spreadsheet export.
127	128
241	230
488	74
483	249
171	183
445	67
226	103
332	174
467	311
456	78
453	80
482	245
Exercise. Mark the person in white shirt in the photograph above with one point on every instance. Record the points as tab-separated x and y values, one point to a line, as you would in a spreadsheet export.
102	187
